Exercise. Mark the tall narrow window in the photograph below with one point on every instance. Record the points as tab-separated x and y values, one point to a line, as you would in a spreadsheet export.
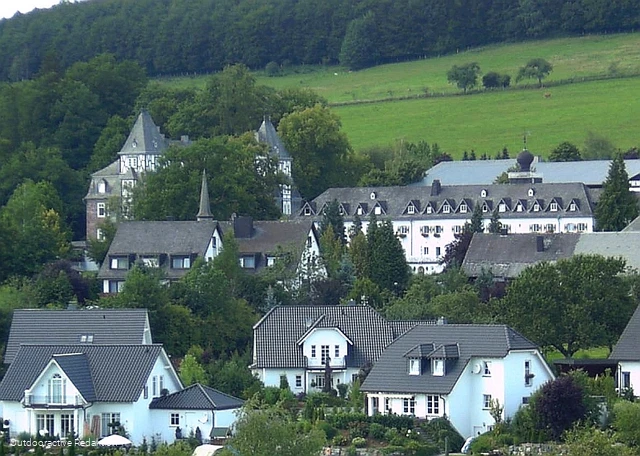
56	389
324	353
528	377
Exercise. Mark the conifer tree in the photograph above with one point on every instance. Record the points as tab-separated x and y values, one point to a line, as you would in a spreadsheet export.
495	226
617	206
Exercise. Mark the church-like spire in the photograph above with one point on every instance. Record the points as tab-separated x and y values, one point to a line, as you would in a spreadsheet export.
205	210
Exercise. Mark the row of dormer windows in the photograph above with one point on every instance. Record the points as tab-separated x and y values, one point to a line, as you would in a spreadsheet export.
447	207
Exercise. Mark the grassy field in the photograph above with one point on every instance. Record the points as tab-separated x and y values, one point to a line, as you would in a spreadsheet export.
485	122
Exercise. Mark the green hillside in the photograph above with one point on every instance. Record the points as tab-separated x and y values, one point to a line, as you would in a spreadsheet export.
489	121
571	58
485	122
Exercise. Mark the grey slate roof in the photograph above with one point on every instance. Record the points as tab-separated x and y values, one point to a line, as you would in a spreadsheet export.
267	134
592	173
158	238
633	226
117	372
145	137
628	346
76	367
390	372
611	244
65	327
197	397
277	333
508	255
396	200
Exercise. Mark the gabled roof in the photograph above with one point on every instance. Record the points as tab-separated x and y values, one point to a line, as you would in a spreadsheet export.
398	198
389	373
628	346
76	368
267	134
65	327
268	235
118	372
196	397
277	333
508	255
144	138
156	238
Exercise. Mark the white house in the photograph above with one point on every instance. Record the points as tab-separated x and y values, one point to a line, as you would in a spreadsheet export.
297	342
627	353
195	408
94	371
457	371
85	388
426	219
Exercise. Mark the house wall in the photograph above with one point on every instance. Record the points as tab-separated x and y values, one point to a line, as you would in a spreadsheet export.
39	391
271	377
515	382
325	336
426	251
633	367
214	247
190	420
309	265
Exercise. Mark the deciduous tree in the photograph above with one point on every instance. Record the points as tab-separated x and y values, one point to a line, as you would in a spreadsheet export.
537	68
574	304
565	152
464	76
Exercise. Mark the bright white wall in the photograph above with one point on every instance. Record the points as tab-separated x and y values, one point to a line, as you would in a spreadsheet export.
633	367
515	382
325	336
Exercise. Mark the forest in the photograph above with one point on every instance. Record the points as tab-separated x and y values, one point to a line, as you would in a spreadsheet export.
169	37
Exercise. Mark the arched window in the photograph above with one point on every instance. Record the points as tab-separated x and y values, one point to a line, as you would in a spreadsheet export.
102	186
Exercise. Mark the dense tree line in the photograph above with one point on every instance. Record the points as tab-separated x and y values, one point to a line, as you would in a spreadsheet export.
178	36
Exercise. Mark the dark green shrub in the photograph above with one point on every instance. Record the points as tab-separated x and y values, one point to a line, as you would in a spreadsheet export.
342	420
359	442
482	444
339	440
329	430
358	429
377	431
394	421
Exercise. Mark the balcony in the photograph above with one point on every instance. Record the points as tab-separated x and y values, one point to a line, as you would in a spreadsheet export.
336	363
46	401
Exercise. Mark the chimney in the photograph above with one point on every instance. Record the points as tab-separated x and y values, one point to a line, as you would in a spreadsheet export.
435	187
243	227
539	243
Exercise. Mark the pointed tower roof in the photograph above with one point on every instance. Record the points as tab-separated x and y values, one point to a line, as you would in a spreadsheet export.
144	138
205	207
267	134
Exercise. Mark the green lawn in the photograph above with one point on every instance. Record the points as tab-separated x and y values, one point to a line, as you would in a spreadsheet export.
592	353
489	121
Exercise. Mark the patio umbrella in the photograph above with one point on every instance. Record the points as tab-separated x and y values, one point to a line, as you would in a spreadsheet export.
114	440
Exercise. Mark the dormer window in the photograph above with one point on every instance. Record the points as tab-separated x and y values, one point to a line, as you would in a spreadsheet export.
485	208
464	208
483	193
502	207
377	210
429	209
553	207
536	207
102	187
86	338
446	209
519	207
359	211
573	206
119	263
307	210
411	209
180	262
414	366
437	367
531	192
